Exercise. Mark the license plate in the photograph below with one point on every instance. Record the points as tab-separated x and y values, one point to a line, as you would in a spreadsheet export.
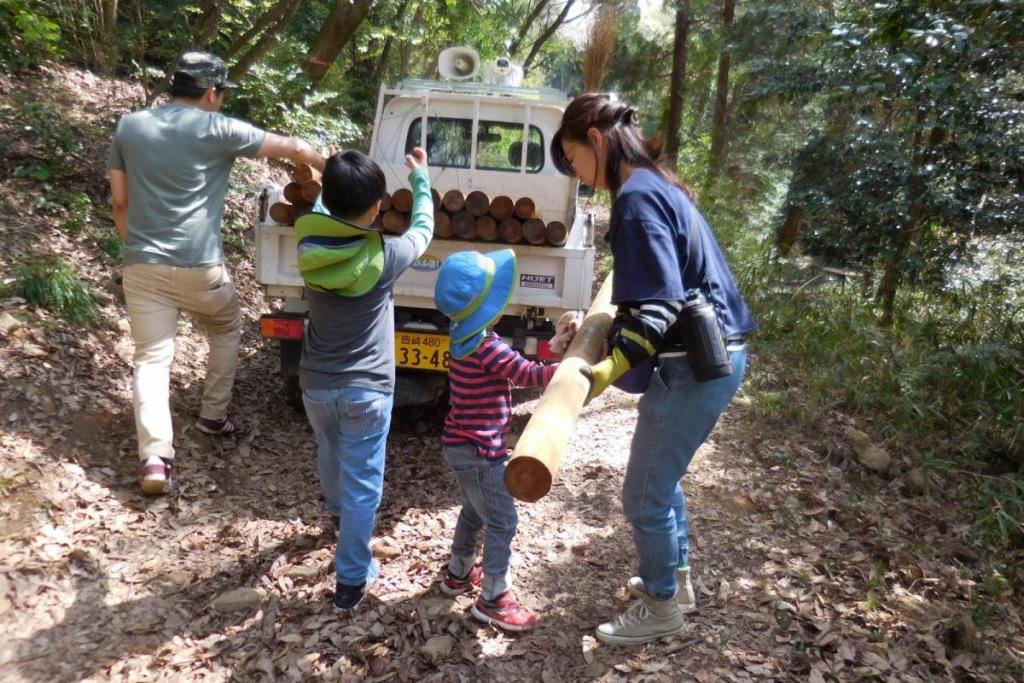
423	351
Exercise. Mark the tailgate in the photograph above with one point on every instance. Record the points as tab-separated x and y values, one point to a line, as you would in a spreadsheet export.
553	278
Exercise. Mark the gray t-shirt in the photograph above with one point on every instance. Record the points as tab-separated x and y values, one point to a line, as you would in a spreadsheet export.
350	341
177	159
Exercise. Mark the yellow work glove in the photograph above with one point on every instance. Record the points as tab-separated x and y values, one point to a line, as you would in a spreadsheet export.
601	374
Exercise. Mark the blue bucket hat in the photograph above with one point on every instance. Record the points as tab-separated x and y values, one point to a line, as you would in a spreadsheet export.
472	290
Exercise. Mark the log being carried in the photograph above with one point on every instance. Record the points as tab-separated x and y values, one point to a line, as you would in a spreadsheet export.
538	452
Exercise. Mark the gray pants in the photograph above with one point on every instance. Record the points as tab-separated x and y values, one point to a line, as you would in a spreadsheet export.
486	504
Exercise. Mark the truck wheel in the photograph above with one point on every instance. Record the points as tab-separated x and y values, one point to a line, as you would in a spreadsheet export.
291	353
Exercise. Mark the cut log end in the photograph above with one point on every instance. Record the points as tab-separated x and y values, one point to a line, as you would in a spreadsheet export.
511	230
527	478
310	190
557	233
395	221
477	203
442	225
401	200
463	225
293	193
525	208
453	201
534	231
502	207
304	172
486	228
282	214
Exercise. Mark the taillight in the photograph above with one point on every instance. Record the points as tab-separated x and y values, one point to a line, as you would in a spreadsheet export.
281	328
544	351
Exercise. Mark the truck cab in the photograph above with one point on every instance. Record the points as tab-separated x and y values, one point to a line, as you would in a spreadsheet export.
479	137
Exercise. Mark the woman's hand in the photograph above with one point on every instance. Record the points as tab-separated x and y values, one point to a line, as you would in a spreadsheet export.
417	159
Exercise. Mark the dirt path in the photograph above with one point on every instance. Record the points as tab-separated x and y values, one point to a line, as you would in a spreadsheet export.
808	568
804	570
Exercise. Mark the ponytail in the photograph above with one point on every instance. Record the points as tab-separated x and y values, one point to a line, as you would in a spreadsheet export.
623	140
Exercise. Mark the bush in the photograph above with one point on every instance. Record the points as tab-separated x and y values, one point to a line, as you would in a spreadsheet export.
275	99
951	394
33	37
112	247
50	283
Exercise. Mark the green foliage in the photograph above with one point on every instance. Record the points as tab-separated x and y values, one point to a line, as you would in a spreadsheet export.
111	246
948	390
51	283
53	142
924	137
79	213
276	98
32	35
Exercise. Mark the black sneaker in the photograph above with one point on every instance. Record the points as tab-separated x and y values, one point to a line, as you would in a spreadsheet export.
348	597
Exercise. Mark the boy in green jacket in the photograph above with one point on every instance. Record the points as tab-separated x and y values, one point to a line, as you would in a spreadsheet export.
347	372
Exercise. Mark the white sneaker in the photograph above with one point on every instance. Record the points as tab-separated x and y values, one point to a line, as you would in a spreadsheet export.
684	590
645	621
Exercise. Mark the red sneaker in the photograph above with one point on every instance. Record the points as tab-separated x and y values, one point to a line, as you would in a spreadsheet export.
505	613
453	585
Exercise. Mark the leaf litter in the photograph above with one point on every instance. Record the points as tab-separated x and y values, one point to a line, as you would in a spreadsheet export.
807	566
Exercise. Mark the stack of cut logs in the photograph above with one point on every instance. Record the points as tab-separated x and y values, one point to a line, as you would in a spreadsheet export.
299	195
456	216
475	216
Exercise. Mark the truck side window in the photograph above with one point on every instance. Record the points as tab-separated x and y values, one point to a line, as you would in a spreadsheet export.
499	147
448	141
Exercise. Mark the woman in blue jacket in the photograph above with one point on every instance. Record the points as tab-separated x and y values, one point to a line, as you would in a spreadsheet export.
664	254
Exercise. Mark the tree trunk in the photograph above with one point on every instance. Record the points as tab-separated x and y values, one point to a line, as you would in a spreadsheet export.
106	31
677	89
265	43
548	32
338	29
407	46
209	24
790	229
269	18
525	28
908	236
718	128
382	64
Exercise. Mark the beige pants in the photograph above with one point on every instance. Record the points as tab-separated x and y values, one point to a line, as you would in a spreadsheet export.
154	294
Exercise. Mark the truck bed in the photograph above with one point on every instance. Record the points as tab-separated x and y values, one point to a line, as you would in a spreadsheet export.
555	279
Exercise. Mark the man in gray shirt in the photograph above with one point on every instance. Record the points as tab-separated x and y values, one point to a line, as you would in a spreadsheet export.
169	169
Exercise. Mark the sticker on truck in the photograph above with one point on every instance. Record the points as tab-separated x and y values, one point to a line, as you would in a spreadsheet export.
531	281
426	263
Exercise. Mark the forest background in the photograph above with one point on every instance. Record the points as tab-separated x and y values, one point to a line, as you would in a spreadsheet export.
861	161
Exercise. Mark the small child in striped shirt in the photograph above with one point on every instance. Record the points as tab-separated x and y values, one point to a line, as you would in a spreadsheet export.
472	290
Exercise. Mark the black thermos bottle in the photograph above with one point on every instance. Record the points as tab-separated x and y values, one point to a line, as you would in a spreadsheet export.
705	342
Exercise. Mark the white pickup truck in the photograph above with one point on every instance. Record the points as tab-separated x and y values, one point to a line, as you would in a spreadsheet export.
473	134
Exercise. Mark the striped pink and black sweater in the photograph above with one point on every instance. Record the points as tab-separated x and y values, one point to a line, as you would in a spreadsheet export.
481	395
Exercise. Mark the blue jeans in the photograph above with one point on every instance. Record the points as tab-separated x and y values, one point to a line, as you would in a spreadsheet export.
677	413
351	427
485	503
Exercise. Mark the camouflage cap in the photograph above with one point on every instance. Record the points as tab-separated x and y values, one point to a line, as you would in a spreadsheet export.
202	69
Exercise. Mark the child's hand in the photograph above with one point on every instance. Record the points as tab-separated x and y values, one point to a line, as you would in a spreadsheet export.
417	159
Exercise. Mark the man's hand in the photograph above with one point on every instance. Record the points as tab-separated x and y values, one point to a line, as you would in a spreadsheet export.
416	160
